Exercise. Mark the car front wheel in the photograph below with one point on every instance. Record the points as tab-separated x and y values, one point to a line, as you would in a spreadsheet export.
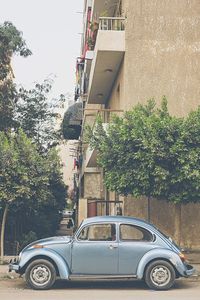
40	274
160	275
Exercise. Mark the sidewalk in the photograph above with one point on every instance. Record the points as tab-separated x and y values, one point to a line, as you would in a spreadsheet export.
4	274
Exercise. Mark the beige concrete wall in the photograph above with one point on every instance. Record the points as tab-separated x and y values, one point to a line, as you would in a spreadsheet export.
190	216
92	185
163	53
92	190
82	210
179	222
117	98
135	207
68	161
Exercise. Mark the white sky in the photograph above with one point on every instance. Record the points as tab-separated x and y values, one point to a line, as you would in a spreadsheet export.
52	30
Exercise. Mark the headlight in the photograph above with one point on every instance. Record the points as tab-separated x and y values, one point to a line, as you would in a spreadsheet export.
37	246
182	257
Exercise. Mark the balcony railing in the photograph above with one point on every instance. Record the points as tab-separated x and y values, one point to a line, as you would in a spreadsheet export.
109	23
105	115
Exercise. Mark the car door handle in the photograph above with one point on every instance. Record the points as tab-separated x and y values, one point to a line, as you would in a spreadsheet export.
111	247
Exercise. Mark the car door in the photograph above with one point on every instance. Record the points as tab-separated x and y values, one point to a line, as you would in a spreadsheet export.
134	242
95	250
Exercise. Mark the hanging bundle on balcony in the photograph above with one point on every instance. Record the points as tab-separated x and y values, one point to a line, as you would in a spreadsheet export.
71	125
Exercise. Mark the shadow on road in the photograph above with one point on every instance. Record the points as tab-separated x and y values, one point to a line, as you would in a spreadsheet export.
100	285
140	285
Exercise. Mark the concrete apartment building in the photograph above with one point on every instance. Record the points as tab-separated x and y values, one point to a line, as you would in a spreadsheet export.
134	50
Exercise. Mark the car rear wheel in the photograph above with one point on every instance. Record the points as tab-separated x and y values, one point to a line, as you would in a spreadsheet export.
40	274
160	275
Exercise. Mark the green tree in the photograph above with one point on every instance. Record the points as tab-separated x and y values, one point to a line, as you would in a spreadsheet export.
148	152
37	217
11	43
8	99
27	179
36	114
31	184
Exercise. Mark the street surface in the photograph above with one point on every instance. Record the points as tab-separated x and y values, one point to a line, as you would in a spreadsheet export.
16	289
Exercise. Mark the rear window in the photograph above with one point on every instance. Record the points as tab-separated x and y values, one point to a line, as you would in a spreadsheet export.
134	233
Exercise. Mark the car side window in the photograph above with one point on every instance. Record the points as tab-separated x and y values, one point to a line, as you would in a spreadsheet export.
98	232
134	233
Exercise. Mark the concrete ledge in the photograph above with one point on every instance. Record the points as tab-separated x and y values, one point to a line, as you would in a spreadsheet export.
193	256
7	259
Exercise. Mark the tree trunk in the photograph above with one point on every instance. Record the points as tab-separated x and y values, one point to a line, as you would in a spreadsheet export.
3	231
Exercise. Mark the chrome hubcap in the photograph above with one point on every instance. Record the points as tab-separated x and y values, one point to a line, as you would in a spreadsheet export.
160	275
40	275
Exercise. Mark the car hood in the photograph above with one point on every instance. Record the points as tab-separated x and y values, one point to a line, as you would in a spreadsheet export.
50	241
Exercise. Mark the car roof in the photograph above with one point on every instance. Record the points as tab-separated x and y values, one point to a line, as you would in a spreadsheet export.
119	219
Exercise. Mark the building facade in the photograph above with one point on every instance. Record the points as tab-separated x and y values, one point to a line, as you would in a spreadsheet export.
134	50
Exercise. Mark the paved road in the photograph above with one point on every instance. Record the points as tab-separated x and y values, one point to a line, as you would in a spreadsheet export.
15	289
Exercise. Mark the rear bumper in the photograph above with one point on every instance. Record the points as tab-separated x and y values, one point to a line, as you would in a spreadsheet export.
190	270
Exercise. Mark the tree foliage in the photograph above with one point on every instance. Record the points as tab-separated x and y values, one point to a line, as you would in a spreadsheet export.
30	181
11	43
36	114
8	99
32	192
148	152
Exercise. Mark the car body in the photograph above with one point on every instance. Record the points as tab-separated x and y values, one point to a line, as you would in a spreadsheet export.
106	247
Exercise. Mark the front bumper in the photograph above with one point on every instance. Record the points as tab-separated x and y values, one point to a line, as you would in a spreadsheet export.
14	266
189	270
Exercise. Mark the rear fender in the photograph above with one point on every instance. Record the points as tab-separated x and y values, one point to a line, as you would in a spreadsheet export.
159	254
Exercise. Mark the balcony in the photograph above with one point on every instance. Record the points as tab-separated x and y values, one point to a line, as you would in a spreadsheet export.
109	50
102	7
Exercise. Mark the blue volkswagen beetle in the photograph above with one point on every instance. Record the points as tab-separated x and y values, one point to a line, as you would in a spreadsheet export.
108	247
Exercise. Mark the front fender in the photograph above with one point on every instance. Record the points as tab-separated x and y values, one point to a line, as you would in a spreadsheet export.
63	268
160	254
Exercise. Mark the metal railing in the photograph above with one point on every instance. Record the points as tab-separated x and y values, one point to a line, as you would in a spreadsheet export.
101	207
111	23
105	114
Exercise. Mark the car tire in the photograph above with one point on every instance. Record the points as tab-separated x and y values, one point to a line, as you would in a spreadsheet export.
40	274
160	275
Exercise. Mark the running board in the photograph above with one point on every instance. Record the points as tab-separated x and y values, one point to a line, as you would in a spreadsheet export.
100	277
